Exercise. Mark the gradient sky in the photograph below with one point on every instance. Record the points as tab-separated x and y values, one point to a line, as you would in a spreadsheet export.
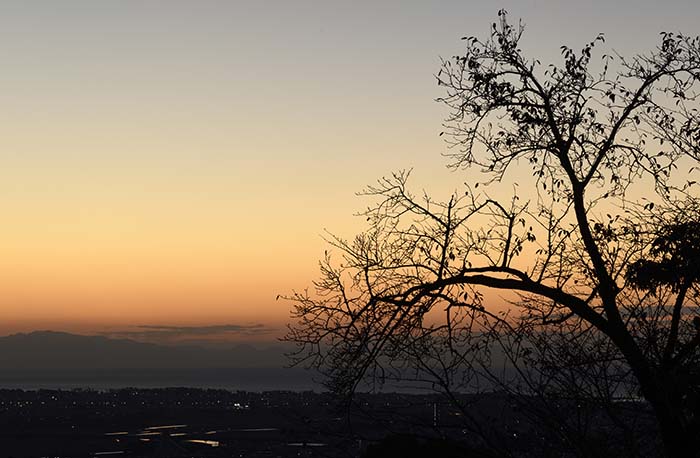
174	163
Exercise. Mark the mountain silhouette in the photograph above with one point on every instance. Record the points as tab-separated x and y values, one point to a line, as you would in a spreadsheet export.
60	350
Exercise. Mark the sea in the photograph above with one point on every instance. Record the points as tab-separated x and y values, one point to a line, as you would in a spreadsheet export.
232	379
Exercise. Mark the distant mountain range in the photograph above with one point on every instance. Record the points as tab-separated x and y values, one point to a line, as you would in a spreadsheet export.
48	350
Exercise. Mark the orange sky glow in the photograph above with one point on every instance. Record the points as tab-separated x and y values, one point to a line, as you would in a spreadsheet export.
176	163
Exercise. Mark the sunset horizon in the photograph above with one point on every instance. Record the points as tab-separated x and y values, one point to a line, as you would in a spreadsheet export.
368	229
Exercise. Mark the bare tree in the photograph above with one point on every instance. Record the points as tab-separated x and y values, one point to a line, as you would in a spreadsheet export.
597	250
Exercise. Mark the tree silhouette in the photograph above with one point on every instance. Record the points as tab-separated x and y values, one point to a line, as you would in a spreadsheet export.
596	244
674	259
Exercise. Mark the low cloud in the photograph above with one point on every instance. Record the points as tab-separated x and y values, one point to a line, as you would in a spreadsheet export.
203	330
181	334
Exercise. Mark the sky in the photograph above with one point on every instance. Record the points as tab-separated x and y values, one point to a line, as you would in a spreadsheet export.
174	164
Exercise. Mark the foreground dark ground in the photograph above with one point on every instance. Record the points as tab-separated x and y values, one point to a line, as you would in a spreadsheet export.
216	423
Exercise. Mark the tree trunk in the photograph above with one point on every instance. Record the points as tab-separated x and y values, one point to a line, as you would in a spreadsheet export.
678	440
659	388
